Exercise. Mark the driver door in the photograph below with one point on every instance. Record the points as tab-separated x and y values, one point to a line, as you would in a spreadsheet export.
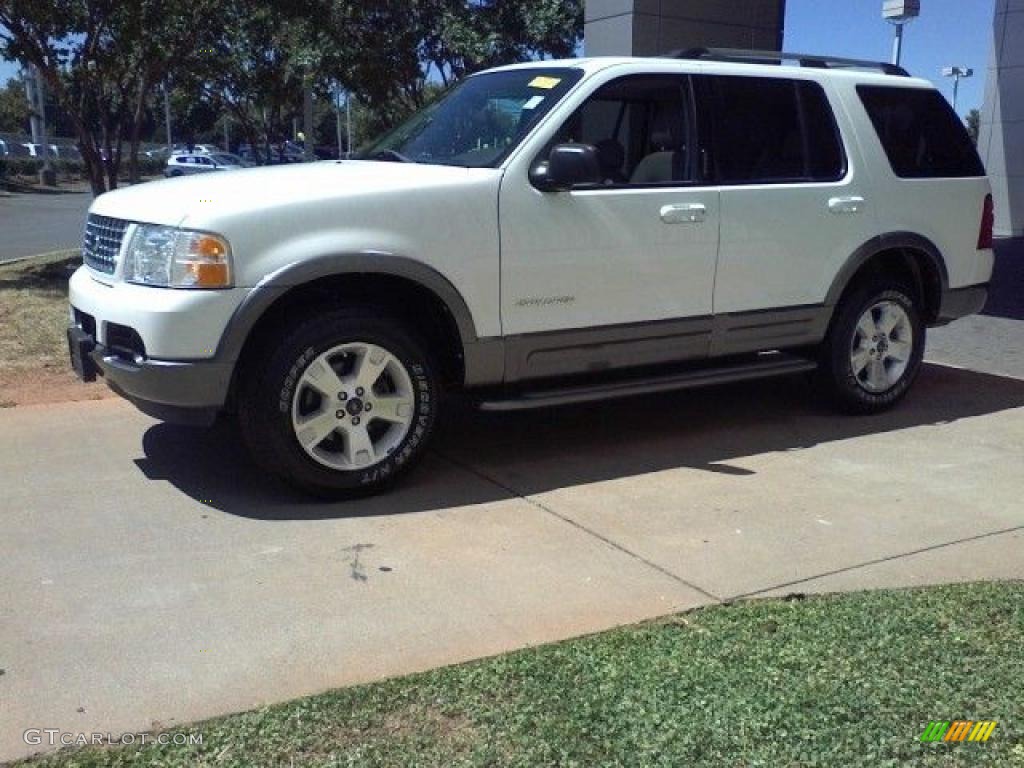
619	273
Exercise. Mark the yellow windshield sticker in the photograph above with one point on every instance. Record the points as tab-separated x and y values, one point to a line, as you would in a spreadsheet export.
547	83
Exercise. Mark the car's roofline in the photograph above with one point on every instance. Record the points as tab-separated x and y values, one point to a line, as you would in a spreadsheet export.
593	64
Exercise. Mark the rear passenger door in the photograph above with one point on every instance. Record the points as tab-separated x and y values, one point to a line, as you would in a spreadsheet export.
794	206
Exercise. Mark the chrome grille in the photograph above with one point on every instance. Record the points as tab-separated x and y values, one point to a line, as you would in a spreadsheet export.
102	242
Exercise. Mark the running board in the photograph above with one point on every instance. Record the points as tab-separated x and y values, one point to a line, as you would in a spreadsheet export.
772	365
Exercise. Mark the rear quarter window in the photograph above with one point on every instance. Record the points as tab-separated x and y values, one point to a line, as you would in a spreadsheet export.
921	134
772	131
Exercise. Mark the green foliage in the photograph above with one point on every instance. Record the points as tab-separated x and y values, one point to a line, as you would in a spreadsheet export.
14	110
845	680
68	168
974	124
104	61
101	60
387	51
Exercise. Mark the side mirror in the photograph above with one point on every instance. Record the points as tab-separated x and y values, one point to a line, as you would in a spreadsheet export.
567	166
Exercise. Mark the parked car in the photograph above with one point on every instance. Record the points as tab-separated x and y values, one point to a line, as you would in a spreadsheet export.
195	149
547	233
65	152
181	165
280	153
32	149
17	149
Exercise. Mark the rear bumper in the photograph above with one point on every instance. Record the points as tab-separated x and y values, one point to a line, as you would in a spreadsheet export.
960	302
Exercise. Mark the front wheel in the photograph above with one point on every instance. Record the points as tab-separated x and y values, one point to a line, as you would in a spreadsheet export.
874	348
345	403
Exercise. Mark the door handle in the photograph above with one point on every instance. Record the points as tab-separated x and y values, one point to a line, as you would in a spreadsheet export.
685	213
846	204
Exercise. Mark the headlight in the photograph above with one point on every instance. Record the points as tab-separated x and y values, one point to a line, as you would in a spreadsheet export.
177	258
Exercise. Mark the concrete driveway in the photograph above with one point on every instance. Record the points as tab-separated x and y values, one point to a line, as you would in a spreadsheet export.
151	576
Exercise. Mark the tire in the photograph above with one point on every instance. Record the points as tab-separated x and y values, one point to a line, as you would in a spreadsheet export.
341	404
176	174
874	348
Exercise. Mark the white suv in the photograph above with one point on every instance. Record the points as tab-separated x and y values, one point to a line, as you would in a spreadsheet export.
546	233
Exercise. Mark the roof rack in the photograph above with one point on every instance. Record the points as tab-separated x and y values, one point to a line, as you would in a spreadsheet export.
777	57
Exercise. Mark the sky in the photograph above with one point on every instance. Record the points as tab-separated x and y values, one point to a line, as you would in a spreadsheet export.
948	32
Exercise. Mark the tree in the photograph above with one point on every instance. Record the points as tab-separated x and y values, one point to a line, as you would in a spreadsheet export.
390	53
100	60
14	109
104	60
974	124
255	71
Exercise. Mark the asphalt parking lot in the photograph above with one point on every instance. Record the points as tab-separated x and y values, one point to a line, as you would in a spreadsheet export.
39	223
152	576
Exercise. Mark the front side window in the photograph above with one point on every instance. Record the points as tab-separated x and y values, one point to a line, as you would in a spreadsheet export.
920	132
479	122
771	131
640	127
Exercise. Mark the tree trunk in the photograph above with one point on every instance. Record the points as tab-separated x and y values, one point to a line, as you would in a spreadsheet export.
93	164
136	130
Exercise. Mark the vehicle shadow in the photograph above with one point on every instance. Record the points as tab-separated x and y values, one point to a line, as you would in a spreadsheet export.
485	457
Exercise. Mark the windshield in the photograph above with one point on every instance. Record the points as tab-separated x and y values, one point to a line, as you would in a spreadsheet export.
479	121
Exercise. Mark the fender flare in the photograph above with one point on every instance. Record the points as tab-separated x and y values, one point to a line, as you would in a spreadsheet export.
278	283
876	245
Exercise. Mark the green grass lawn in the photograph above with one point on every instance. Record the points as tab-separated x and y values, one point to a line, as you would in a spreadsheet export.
849	680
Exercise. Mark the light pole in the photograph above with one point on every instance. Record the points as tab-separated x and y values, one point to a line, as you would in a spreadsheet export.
348	122
956	73
898	13
36	97
167	117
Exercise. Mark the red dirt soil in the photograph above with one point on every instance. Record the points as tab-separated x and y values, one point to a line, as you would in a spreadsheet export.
32	386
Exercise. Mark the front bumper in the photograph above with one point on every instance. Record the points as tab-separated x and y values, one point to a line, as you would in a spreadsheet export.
960	302
180	392
156	347
173	324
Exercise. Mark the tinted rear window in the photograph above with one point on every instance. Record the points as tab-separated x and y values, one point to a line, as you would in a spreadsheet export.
921	133
769	130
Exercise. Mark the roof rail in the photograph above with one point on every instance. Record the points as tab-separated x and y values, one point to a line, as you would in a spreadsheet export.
777	57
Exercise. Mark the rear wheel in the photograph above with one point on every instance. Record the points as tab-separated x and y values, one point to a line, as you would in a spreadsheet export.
344	403
874	348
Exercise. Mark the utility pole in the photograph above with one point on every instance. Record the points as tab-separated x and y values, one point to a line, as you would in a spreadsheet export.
167	116
897	45
307	119
898	13
337	119
37	102
348	122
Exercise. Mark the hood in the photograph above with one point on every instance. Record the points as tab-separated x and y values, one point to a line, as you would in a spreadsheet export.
201	199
